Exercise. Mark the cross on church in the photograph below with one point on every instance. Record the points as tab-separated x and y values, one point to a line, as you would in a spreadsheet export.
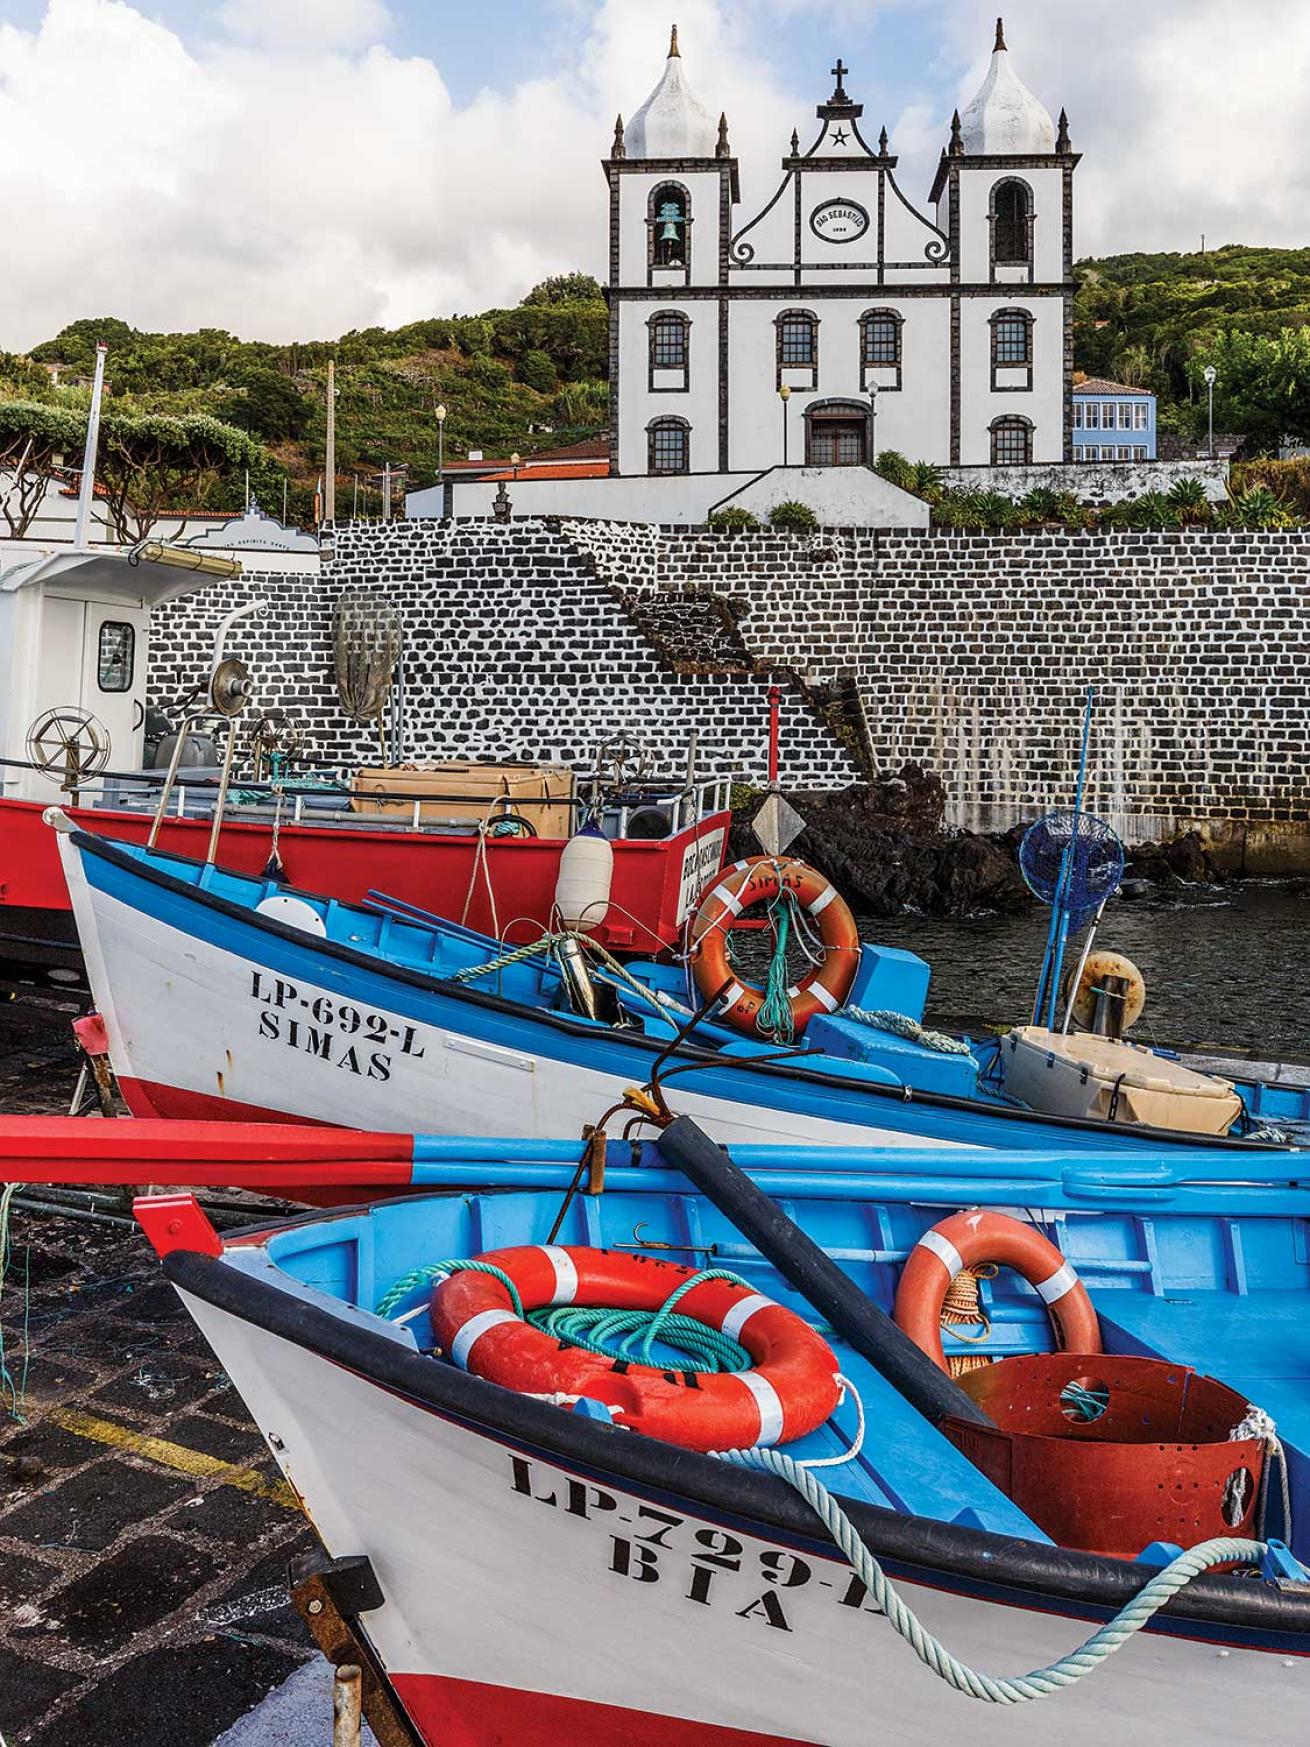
839	73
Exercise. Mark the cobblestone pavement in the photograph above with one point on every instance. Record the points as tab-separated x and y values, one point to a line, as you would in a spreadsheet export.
144	1530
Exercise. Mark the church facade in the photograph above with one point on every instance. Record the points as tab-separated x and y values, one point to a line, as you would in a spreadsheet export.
840	320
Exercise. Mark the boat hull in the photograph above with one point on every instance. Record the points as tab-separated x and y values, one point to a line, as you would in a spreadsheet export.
552	1602
656	883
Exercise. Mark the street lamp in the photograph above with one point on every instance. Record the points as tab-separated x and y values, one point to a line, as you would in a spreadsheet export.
441	441
514	461
1210	374
873	426
784	395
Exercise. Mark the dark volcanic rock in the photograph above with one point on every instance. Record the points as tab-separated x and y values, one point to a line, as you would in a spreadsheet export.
1185	861
883	847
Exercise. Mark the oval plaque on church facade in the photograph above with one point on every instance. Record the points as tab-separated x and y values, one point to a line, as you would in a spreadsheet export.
839	221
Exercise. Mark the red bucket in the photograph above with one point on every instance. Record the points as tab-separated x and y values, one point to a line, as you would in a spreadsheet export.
1108	1454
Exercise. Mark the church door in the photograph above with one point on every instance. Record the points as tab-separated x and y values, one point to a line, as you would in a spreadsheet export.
836	440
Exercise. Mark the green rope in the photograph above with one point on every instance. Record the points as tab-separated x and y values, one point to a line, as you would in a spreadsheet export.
547	944
601	1329
991	1688
776	1015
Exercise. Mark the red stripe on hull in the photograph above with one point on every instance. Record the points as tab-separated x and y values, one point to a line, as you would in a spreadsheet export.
467	1713
174	1103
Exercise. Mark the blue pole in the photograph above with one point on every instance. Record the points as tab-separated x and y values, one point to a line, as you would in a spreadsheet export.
1060	917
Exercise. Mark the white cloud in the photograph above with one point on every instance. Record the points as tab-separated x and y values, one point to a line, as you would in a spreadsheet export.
220	182
292	24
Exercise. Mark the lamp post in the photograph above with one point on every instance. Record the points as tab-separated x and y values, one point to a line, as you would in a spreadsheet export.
441	441
873	426
1210	374
784	395
515	461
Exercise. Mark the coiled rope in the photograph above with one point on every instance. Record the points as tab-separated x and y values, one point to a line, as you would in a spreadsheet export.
991	1688
602	1329
776	1017
883	1019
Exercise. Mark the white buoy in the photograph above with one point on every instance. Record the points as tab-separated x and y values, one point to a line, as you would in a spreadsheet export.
586	874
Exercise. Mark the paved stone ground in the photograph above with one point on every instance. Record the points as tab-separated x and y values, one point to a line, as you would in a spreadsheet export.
142	1592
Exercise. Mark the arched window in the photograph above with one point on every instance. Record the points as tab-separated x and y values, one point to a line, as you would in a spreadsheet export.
837	433
1012	441
668	444
668	225
798	348
669	350
1012	337
1012	224
880	348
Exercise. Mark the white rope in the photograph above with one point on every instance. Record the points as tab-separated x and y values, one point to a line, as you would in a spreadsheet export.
883	1019
990	1688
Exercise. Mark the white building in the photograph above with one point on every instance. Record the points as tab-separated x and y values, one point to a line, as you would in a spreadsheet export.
840	291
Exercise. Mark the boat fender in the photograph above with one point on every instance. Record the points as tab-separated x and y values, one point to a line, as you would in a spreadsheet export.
791	1389
969	1239
586	876
758	880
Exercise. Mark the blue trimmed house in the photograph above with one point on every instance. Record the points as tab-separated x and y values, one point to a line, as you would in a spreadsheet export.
1112	422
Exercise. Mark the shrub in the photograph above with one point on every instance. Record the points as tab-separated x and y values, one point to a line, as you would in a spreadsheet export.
734	517
796	518
1288	480
894	468
1258	507
538	371
1188	496
927	480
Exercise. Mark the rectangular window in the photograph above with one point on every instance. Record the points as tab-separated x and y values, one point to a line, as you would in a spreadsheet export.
1078	415
1107	415
116	656
1012	340
836	443
796	340
882	334
1141	416
1080	454
1139	451
1093	415
1011	444
668	344
1125	415
668	448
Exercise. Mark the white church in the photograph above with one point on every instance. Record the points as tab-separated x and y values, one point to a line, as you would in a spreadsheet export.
840	320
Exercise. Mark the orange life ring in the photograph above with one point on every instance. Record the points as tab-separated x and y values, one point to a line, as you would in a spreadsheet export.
792	1388
966	1239
757	880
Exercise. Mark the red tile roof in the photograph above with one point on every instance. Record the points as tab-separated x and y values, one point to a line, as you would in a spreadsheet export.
1099	385
569	470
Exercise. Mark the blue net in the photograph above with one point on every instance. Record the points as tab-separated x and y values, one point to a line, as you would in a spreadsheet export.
1096	864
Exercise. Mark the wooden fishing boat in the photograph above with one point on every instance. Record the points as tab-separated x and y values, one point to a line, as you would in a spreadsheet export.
576	1582
228	997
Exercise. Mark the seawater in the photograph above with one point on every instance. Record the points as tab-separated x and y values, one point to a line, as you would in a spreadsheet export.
1224	966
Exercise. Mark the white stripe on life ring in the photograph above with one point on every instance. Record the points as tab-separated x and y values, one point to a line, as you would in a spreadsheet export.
566	1275
944	1250
741	1313
823	900
766	1399
732	996
1061	1281
824	997
473	1331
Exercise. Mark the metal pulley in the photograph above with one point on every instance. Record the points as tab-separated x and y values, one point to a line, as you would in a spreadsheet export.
229	687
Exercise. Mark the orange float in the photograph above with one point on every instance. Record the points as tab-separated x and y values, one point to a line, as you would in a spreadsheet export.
966	1240
758	880
792	1388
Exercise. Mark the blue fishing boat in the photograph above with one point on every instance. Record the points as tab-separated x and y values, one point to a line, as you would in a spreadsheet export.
657	1465
226	996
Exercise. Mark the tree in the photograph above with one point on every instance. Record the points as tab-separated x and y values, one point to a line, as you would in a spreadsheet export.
152	463
34	436
537	370
1263	382
267	403
565	288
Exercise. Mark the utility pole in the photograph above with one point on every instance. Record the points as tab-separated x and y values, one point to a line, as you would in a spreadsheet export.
330	482
386	491
86	491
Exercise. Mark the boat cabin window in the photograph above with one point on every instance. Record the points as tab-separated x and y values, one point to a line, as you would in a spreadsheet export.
116	656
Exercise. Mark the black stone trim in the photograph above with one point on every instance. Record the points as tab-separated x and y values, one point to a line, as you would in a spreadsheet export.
662	422
813	366
1011	418
1067	267
1030	322
1032	161
842	406
612	300
685	321
953	222
724	401
941	289
869	371
652	220
955	379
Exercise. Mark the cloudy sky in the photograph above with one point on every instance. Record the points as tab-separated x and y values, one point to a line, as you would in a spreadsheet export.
294	168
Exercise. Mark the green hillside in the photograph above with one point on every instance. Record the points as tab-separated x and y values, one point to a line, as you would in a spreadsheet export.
534	377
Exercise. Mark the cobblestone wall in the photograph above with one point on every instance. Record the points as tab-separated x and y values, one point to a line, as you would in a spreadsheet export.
515	647
969	654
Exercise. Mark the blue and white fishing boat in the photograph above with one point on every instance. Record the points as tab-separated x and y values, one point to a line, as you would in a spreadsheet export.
515	1559
227	996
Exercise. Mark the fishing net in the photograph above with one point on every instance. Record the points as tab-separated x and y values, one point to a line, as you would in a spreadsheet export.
1096	863
366	645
